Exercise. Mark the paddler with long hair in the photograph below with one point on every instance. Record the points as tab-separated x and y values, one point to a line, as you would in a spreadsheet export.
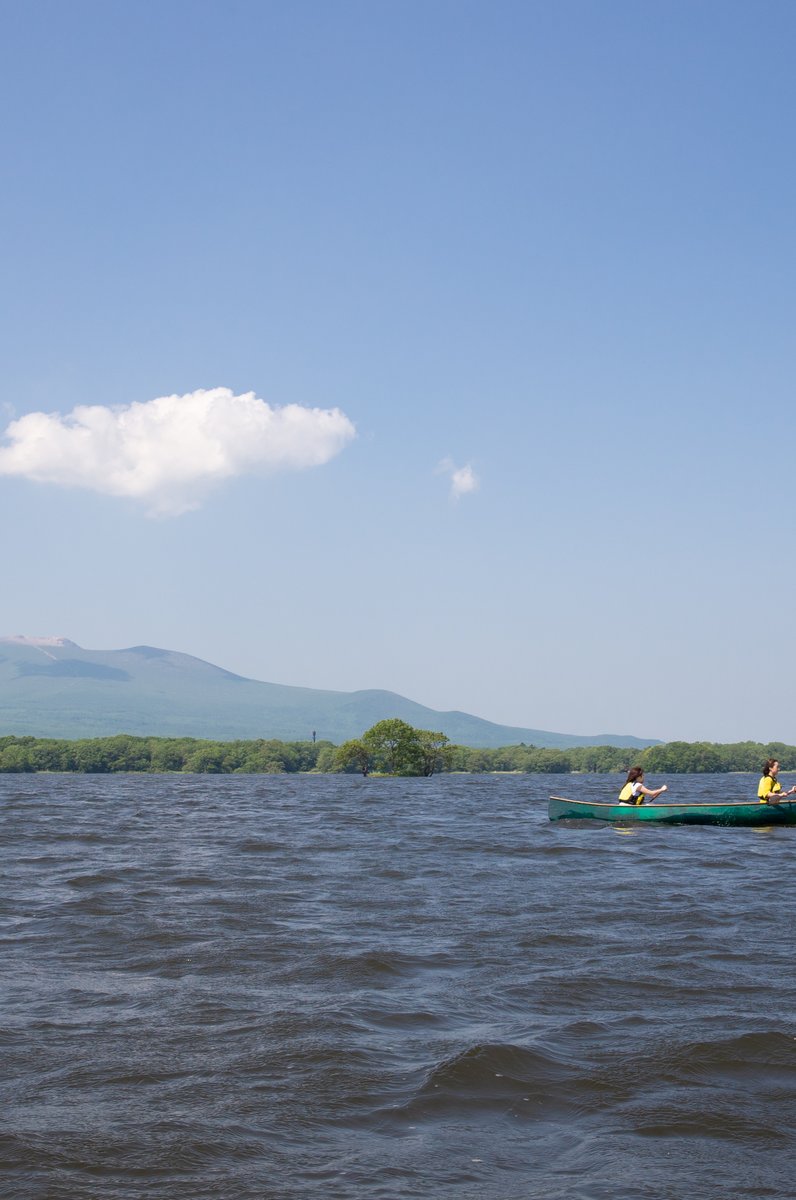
769	789
634	790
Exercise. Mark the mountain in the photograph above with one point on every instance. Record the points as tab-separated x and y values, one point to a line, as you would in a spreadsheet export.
51	687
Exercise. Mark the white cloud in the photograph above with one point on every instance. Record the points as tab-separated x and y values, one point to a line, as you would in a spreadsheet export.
463	479
170	451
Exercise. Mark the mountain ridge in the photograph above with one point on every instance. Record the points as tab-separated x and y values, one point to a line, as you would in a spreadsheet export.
52	687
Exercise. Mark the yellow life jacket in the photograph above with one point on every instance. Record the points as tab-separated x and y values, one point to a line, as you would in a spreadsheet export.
768	787
626	795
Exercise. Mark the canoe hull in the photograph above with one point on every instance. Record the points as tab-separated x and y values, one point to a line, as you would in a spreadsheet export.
728	813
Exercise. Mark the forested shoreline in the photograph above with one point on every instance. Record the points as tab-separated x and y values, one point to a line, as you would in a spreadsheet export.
391	747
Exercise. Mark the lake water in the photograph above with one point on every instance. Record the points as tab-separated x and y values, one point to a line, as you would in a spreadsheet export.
216	988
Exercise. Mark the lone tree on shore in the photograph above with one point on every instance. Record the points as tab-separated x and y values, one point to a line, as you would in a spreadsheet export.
395	748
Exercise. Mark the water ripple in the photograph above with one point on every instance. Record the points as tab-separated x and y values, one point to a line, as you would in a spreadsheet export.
235	987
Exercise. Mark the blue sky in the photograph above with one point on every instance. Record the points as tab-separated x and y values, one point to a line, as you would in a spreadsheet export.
355	248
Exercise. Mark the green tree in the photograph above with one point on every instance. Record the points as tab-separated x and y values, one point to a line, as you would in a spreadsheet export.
326	759
126	753
207	759
433	752
169	754
393	743
550	762
477	760
15	759
92	756
354	753
265	758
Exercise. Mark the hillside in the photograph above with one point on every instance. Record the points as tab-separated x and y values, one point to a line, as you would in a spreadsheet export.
51	687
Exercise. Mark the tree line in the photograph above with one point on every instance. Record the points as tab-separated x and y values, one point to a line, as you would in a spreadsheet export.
390	747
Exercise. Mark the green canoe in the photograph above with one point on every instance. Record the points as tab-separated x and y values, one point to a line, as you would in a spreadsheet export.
728	813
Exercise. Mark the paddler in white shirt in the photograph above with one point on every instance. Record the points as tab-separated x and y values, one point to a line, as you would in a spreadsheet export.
634	791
